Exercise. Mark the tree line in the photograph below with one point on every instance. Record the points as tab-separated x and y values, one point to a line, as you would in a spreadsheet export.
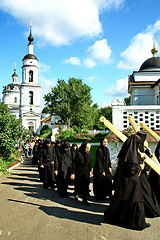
72	101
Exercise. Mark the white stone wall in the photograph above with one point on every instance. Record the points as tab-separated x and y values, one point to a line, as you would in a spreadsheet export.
146	76
150	115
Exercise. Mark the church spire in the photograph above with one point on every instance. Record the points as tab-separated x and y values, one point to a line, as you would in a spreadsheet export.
30	39
14	75
154	50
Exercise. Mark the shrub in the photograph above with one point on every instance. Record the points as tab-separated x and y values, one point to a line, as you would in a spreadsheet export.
67	134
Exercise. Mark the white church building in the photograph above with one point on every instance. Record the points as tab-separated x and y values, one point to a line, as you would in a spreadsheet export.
144	89
23	99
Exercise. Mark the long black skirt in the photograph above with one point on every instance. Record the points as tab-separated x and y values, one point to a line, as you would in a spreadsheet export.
126	214
102	186
48	177
150	202
154	179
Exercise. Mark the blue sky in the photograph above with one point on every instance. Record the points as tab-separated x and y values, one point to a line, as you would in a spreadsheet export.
98	41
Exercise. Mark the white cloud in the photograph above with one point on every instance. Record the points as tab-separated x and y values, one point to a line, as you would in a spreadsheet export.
108	4
60	22
99	52
91	78
46	85
119	89
43	67
88	62
73	61
140	48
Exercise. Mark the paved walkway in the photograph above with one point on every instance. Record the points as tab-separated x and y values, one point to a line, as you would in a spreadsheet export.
30	212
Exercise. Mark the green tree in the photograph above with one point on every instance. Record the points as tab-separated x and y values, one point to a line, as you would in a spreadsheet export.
11	130
72	102
127	101
107	113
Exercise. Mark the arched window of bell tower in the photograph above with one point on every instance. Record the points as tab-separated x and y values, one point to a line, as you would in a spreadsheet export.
30	76
31	97
15	100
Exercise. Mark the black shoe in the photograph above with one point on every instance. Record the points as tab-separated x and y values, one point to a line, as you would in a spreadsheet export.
148	225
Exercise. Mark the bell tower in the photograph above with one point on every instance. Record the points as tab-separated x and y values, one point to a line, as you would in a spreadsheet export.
30	90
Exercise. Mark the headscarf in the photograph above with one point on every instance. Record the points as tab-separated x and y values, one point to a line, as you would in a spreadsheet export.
82	148
129	151
104	149
143	136
66	145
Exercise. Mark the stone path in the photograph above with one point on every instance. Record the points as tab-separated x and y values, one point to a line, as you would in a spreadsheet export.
30	212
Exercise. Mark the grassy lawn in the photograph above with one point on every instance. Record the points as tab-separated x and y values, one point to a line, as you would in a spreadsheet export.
93	154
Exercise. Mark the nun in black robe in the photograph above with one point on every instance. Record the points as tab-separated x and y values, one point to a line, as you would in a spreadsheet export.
39	152
35	153
127	208
154	178
82	171
102	179
47	161
74	149
150	202
63	165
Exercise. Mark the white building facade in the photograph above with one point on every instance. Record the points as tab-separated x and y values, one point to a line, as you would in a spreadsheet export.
23	99
144	89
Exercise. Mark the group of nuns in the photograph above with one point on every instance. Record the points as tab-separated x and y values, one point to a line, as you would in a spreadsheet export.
134	194
60	165
136	189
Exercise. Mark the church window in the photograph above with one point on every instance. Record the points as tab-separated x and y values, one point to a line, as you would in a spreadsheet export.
30	97
157	99
15	100
30	76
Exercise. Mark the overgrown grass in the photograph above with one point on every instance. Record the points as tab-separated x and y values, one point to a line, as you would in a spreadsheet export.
5	163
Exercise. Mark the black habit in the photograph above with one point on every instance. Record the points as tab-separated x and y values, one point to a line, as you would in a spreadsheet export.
127	207
102	184
47	159
81	169
154	178
63	165
150	202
